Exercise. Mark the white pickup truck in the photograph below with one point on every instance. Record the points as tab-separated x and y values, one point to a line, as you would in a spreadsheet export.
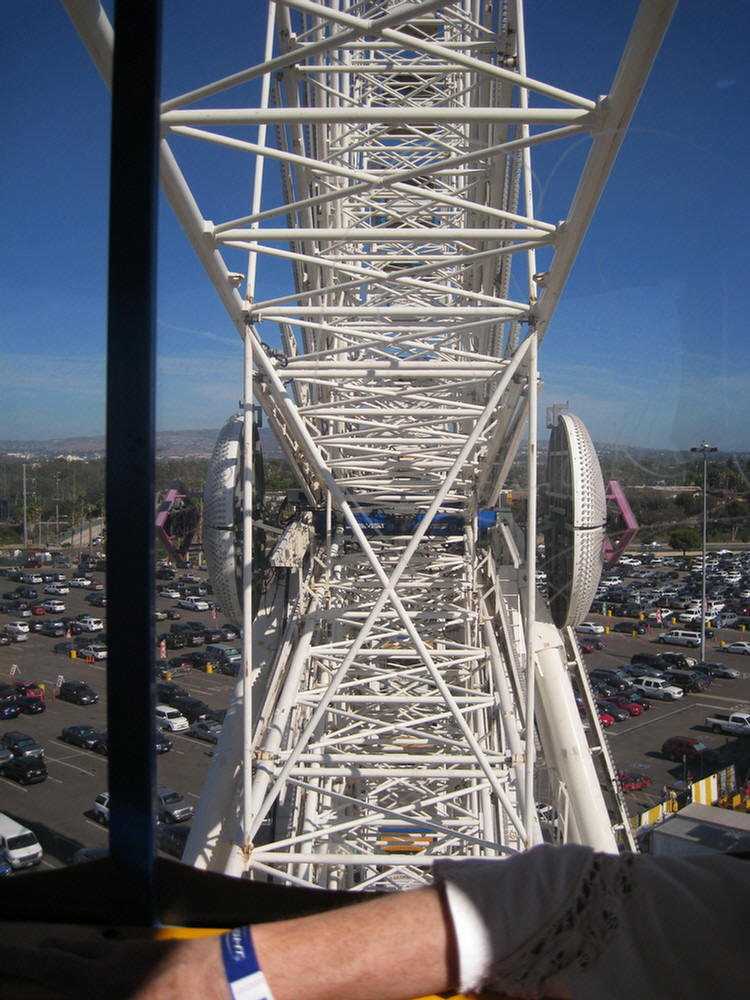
738	723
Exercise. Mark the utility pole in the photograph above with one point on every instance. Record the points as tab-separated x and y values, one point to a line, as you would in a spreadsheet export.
25	522
704	449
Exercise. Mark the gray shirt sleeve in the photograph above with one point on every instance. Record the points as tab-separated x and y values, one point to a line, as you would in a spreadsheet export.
567	922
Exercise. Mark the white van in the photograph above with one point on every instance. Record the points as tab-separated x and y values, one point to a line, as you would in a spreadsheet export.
681	637
18	844
169	718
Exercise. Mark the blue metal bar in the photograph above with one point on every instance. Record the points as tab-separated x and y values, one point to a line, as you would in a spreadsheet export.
131	366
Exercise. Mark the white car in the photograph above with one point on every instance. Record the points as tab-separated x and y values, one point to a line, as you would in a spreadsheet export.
54	607
80	581
90	624
737	647
16	628
590	628
170	592
101	808
95	650
169	718
197	604
657	687
57	588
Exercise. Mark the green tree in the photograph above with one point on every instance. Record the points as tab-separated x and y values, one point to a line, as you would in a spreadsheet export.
685	538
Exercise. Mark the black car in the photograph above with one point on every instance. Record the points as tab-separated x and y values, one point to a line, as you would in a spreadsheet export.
85	736
162	743
53	628
166	690
30	705
9	707
172	838
21	744
689	680
647	660
77	692
192	708
613	678
172	640
24	770
190	635
64	648
640	628
618	713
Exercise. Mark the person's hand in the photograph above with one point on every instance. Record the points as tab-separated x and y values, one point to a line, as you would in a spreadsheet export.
105	968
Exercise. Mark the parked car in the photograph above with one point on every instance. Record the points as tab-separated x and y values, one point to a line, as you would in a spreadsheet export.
589	628
737	647
85	736
172	838
19	846
21	744
24	770
631	781
54	607
28	689
631	703
610	708
77	692
53	628
192	603
657	687
30	706
192	708
17	631
206	729
689	680
162	743
64	648
93	650
171	807
636	627
90	624
169	718
171	640
168	689
617	679
101	808
718	669
689	749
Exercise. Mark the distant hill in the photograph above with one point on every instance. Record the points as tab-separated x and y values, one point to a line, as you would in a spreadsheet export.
169	444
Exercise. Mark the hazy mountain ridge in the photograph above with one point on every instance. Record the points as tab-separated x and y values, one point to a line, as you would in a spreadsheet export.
200	444
169	444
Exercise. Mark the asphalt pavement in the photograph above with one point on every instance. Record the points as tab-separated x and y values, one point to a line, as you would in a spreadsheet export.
59	809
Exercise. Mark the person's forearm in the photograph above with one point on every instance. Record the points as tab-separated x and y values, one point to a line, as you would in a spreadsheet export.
390	948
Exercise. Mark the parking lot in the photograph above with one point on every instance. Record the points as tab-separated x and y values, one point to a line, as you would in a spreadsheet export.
60	809
635	743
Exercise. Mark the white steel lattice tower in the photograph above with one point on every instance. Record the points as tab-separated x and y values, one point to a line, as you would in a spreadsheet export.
418	702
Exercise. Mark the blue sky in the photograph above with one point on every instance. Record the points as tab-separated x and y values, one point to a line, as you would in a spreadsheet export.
650	342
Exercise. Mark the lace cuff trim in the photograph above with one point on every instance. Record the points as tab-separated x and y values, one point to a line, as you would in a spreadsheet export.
570	940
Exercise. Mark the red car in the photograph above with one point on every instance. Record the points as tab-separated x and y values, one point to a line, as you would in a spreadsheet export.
627	703
28	689
631	782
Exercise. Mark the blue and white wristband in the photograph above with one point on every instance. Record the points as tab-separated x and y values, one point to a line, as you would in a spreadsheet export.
246	981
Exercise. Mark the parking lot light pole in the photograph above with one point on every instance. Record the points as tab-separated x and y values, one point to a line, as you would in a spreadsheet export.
704	449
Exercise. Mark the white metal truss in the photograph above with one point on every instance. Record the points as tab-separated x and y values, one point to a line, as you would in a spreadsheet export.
419	702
